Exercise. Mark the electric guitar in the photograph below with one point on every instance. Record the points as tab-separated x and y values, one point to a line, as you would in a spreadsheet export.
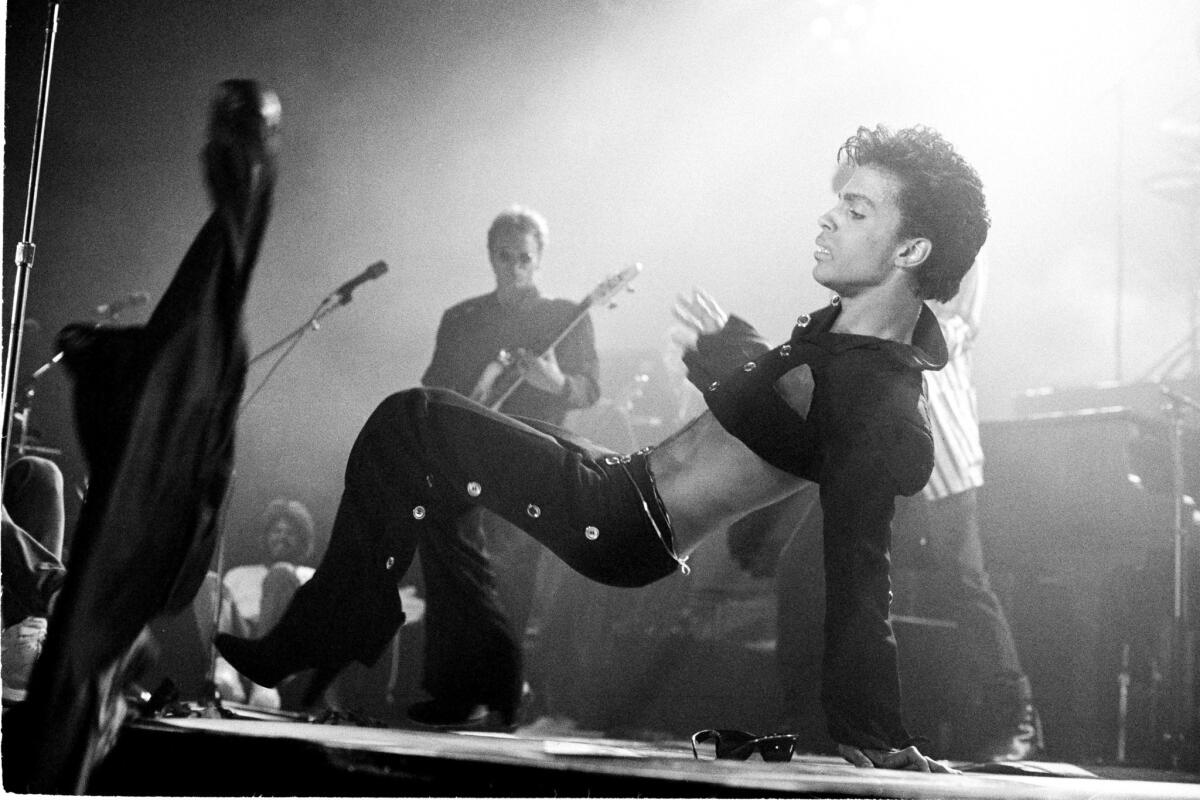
501	377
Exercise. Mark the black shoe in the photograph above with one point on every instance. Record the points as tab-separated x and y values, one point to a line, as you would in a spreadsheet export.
1021	741
243	140
443	714
491	715
265	661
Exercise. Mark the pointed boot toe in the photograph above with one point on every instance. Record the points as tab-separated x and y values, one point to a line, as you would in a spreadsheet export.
257	659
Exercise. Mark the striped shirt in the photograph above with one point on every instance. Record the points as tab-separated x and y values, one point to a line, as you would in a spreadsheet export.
953	407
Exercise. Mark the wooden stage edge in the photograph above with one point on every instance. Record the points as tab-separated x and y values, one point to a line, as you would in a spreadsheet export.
240	757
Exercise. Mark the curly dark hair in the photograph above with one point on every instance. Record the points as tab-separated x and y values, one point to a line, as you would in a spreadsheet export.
941	199
300	518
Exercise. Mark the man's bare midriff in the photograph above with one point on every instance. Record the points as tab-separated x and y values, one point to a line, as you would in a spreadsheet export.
708	479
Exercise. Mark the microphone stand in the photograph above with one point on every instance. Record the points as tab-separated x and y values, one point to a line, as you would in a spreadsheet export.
211	703
328	305
1181	737
26	248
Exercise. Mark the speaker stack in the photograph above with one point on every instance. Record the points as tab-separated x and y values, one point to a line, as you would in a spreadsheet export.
1078	515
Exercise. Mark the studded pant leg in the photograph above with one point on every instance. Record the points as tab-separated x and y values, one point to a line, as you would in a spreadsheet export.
574	497
425	458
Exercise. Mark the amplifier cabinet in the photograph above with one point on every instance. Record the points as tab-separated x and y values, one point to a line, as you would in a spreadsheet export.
1081	555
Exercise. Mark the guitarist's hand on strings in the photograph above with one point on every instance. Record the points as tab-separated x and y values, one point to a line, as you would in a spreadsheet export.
542	373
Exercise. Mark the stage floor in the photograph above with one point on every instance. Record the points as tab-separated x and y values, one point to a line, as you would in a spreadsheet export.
238	757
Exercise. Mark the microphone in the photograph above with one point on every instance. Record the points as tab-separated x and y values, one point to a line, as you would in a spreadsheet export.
117	306
369	274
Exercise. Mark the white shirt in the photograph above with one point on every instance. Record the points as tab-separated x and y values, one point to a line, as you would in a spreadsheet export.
953	407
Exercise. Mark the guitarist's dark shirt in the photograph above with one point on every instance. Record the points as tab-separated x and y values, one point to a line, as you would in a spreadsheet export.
472	333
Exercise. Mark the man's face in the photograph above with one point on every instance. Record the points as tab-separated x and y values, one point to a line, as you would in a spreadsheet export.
284	541
515	257
859	240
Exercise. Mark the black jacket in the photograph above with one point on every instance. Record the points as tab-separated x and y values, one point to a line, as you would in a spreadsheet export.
848	413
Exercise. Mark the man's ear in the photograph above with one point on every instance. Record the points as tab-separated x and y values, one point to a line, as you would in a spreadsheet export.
913	252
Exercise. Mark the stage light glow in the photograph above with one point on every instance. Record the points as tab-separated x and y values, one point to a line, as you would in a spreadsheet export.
856	15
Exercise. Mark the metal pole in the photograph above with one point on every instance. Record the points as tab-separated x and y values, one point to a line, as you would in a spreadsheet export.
26	248
1180	737
1119	232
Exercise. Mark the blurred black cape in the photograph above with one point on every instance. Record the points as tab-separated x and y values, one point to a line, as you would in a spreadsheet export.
155	408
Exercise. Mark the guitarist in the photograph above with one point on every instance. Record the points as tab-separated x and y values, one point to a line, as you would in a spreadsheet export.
517	320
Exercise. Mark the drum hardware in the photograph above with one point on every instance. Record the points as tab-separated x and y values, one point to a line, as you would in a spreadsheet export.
1180	729
1180	738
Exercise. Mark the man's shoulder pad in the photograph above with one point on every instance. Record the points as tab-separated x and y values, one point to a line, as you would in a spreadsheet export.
465	308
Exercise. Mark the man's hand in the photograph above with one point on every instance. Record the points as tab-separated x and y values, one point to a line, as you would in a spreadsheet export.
909	758
542	373
700	312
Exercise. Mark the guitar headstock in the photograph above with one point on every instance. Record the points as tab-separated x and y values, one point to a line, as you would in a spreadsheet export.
610	286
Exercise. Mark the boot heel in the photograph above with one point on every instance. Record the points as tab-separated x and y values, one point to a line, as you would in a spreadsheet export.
261	660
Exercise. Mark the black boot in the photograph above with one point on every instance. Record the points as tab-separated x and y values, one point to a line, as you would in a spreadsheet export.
499	714
290	646
472	687
243	141
312	634
1017	736
265	661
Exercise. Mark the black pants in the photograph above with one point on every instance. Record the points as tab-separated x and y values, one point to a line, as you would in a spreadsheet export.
514	558
945	534
425	458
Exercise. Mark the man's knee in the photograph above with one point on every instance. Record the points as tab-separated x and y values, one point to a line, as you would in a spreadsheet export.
404	407
385	425
394	406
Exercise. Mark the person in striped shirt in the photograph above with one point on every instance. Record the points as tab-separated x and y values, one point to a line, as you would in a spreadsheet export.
942	526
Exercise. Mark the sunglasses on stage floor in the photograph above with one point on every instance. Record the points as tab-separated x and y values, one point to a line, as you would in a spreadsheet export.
739	745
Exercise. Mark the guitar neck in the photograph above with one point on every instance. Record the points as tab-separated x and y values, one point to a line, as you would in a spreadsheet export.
581	311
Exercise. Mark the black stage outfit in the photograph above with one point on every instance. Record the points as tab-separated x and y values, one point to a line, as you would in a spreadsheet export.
846	412
476	600
840	409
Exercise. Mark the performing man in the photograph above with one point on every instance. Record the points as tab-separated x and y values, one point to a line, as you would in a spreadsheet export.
840	404
937	533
